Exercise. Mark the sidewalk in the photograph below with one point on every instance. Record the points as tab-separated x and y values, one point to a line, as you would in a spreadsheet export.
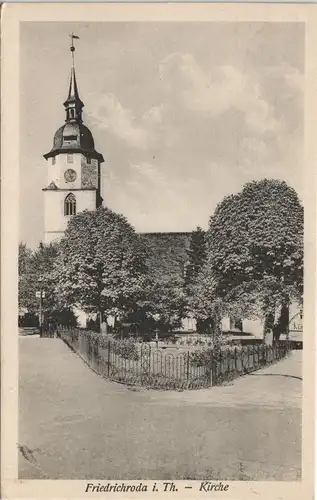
276	386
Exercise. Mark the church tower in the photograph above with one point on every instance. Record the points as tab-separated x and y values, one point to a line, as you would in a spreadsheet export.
73	167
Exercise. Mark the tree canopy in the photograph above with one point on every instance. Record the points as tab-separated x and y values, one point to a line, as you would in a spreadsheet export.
101	264
255	249
196	255
35	273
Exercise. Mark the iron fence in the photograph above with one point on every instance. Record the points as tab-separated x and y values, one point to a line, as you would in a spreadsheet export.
236	362
141	365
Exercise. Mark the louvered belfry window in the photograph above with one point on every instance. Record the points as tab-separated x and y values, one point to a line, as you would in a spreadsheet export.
70	204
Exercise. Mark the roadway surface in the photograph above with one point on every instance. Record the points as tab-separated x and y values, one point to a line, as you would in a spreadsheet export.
76	425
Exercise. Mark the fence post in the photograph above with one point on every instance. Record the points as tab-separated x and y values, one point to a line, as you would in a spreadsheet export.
187	366
215	368
96	353
220	362
108	358
235	361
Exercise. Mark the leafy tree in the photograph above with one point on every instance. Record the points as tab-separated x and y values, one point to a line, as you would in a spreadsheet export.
167	302
166	253
164	298
35	273
25	255
196	255
255	251
101	265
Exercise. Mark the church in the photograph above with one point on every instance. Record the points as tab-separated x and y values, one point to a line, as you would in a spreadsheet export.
74	183
74	175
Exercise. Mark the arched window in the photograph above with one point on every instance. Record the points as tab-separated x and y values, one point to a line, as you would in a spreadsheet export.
70	204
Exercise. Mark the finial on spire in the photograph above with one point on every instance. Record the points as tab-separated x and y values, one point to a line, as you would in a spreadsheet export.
72	47
73	104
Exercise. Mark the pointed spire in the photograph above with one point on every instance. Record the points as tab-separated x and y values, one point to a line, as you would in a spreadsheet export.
73	104
73	89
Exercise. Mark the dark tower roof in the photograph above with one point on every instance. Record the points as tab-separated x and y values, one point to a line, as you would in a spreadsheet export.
74	136
73	95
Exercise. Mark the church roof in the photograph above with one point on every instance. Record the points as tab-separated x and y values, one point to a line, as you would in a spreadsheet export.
52	185
167	252
74	136
73	94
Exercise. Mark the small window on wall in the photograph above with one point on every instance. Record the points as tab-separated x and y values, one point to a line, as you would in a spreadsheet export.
70	204
88	161
53	160
70	158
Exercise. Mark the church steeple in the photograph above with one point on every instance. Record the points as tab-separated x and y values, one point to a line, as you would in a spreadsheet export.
74	136
73	104
74	179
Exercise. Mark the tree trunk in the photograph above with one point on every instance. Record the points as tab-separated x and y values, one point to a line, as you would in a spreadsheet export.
101	318
281	326
268	324
114	322
217	331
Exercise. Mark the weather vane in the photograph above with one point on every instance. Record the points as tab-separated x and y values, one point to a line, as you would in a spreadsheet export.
72	47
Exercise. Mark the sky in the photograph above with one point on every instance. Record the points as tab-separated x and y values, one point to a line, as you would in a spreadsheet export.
183	113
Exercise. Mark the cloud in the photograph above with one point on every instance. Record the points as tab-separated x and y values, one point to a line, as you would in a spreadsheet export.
289	75
153	115
208	132
109	114
157	198
213	93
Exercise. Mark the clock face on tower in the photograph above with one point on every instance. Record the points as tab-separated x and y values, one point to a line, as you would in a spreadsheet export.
70	175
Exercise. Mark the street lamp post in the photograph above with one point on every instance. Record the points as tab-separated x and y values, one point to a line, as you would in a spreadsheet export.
40	294
156	337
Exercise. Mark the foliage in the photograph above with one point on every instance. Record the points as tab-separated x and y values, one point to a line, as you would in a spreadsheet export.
257	234
163	370
101	265
202	357
28	320
64	317
126	348
167	254
25	255
202	295
254	253
35	274
164	304
196	255
167	301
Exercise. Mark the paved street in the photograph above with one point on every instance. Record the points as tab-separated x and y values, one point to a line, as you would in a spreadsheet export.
74	424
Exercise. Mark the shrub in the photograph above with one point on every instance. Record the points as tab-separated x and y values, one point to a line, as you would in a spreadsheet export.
126	348
203	357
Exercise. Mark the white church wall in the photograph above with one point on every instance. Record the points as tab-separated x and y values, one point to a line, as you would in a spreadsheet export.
81	317
188	325
253	326
53	170
225	324
75	165
85	200
54	222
